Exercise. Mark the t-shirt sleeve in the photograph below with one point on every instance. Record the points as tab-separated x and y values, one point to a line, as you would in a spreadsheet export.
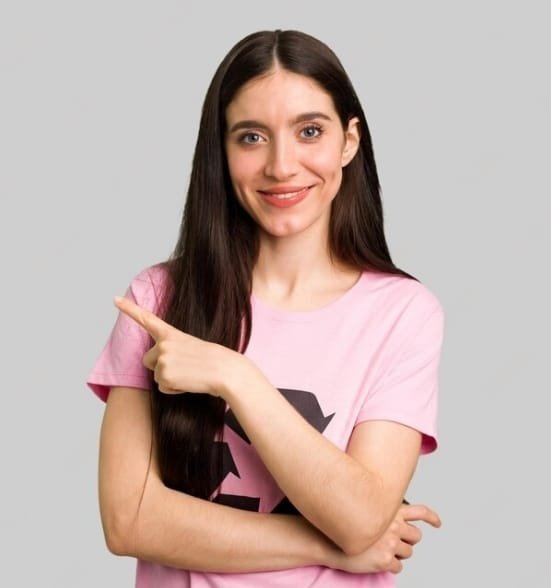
407	392
121	360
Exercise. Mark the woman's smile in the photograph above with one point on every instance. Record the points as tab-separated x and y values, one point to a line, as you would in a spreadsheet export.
285	197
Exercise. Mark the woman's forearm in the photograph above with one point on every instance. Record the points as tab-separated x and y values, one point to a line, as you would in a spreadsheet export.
184	532
331	489
143	518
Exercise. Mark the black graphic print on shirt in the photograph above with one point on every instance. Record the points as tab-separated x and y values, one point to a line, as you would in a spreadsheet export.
308	407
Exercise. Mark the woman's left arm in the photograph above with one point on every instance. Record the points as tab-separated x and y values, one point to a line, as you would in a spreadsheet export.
350	497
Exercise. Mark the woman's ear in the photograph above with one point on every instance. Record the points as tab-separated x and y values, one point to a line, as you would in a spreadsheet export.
351	140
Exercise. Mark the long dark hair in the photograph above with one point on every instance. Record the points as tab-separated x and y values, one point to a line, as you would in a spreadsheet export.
210	269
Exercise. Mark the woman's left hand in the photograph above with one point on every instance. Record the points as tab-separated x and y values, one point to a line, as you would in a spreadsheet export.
182	362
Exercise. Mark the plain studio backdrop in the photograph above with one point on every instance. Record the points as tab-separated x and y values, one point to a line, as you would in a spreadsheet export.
99	109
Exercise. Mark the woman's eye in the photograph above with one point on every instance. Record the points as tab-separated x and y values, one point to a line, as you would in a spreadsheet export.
311	132
250	138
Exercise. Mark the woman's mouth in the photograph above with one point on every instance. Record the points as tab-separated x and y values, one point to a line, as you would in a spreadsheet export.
285	196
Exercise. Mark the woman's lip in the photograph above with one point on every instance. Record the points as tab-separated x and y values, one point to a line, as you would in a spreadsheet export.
284	190
285	199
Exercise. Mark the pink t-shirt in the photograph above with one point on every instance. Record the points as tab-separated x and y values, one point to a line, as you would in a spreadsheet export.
372	354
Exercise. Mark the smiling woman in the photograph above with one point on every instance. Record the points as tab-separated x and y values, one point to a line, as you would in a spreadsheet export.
270	387
287	152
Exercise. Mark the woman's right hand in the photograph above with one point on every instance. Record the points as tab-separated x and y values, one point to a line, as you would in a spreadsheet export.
395	545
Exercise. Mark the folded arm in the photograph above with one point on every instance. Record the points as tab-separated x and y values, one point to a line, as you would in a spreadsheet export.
351	497
143	518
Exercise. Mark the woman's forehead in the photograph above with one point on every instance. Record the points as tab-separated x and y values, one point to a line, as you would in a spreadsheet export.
279	96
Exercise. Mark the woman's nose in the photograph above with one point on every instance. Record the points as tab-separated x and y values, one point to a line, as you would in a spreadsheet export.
282	162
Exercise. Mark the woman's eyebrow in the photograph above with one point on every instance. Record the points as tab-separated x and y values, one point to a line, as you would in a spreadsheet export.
255	124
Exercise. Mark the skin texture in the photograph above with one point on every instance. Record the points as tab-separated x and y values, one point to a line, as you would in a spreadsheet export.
291	143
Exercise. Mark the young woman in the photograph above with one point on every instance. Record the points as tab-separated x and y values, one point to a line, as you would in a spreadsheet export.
270	387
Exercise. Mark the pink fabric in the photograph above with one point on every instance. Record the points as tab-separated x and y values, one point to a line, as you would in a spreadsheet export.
373	354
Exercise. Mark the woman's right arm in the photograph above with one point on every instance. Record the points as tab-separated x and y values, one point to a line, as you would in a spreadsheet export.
143	518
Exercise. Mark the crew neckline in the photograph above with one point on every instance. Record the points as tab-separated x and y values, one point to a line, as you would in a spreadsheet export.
265	309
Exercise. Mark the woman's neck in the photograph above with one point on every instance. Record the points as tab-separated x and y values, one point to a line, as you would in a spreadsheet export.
298	273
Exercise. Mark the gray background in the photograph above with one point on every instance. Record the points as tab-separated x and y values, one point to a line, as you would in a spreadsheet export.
99	110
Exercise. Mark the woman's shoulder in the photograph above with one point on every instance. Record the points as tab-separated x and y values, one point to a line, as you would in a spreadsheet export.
149	286
403	292
404	308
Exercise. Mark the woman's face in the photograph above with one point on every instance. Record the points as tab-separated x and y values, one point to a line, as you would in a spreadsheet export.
286	148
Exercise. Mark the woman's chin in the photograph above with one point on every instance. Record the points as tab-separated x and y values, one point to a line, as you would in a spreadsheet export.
281	230
288	230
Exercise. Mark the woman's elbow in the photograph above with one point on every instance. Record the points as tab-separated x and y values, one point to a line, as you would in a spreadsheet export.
118	534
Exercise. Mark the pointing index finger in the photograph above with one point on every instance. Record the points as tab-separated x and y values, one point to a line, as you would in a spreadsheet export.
155	326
